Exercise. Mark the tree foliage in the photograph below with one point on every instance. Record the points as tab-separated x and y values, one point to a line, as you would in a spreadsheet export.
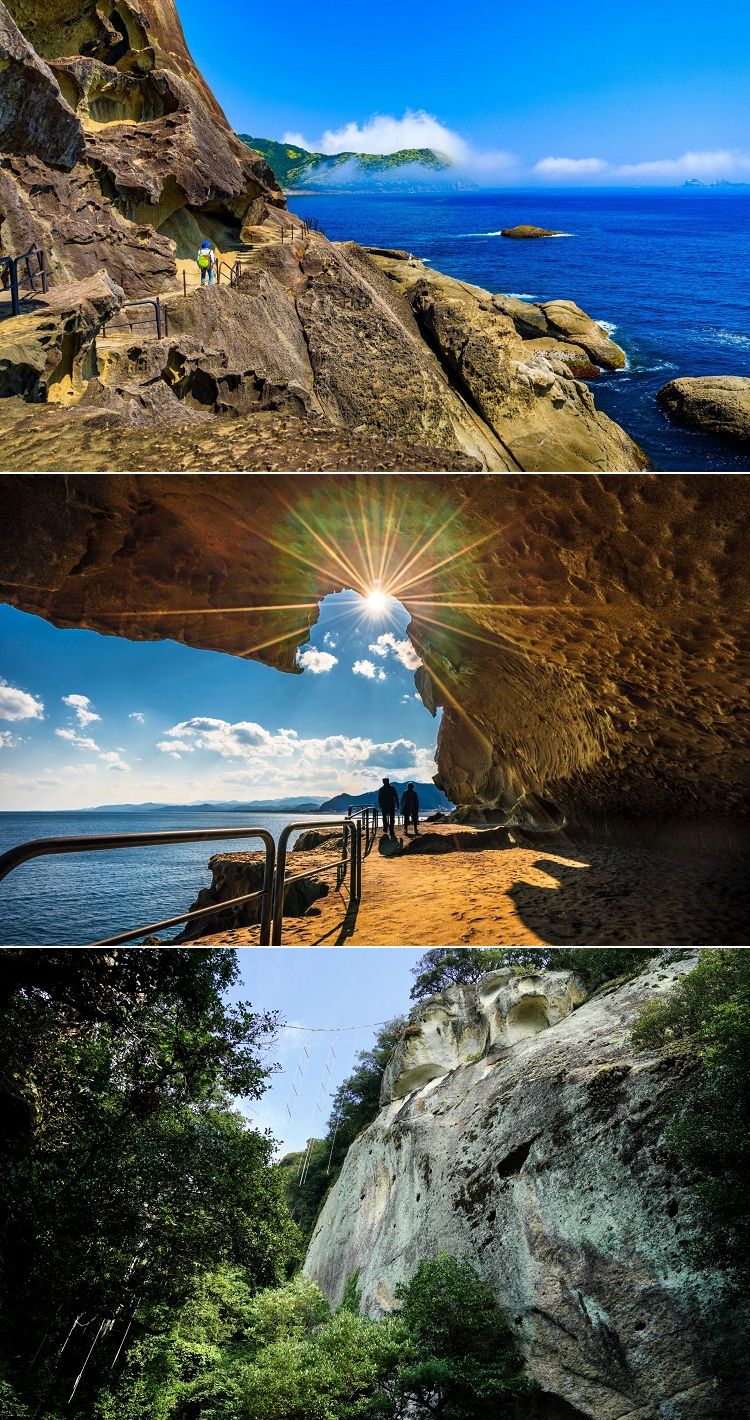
284	1355
127	1169
706	1017
354	1106
456	966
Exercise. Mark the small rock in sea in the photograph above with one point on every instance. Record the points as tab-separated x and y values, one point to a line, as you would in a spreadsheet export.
526	232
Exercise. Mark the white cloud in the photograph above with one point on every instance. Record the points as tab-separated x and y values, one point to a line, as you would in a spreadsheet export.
8	740
330	640
80	741
570	167
137	716
384	133
18	704
282	757
318	662
388	644
81	706
707	165
113	760
369	670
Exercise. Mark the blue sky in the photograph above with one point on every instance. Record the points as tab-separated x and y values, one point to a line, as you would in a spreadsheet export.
612	87
344	986
88	719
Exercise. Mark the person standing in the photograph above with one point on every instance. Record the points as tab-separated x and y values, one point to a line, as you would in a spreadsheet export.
206	260
410	809
388	803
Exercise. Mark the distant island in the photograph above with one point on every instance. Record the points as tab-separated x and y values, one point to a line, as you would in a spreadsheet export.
723	182
430	798
410	169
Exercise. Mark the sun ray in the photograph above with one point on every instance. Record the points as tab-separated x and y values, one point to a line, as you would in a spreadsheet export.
397	589
502	641
275	640
418	549
330	547
460	710
215	610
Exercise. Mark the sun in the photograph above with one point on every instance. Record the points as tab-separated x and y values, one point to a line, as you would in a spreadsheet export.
376	601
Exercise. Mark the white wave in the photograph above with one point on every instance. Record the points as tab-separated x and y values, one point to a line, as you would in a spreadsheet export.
608	326
520	296
479	234
561	234
728	337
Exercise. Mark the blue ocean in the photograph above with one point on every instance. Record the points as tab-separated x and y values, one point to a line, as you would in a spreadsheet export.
76	899
667	272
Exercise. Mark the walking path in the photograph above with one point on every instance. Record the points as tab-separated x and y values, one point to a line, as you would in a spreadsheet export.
519	896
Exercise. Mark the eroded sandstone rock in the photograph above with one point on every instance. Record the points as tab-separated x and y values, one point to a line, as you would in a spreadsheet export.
113	95
45	354
527	232
717	404
544	1160
237	874
34	116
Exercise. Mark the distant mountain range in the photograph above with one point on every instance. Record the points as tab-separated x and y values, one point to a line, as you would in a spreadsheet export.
429	798
411	169
724	182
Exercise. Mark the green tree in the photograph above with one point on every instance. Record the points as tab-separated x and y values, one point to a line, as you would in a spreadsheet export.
705	1020
453	966
354	1106
464	1362
126	1167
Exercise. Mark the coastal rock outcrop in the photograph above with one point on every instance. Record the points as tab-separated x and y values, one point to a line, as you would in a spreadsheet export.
716	404
127	159
589	656
119	159
526	232
235	875
521	1128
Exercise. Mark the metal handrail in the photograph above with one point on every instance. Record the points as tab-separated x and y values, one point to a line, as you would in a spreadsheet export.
161	317
92	843
11	263
352	831
369	815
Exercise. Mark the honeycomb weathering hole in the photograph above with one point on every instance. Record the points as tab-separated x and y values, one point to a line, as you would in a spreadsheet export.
527	1017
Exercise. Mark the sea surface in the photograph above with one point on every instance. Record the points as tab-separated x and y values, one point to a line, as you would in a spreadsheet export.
75	899
668	273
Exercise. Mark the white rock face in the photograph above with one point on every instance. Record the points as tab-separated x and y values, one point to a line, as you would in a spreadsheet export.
527	1135
466	1022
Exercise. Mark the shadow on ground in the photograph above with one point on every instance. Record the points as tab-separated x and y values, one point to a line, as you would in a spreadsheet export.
636	897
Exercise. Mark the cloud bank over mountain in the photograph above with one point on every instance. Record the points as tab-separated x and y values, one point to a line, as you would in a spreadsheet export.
385	133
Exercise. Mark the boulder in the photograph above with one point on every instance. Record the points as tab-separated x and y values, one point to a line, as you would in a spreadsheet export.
567	321
520	1127
34	116
47	353
715	404
543	418
233	875
526	232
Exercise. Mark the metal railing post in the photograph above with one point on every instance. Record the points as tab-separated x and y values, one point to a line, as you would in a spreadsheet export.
15	303
278	892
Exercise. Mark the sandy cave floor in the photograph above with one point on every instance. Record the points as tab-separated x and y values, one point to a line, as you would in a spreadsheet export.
602	895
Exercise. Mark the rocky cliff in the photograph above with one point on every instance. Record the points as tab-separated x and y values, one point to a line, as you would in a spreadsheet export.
116	159
520	1127
585	637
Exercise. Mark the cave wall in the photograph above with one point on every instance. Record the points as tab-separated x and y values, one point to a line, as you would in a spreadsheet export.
586	636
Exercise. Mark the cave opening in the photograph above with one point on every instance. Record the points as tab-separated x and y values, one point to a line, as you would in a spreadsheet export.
526	1018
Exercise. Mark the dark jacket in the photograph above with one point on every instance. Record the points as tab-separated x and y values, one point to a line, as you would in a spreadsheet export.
387	799
409	803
